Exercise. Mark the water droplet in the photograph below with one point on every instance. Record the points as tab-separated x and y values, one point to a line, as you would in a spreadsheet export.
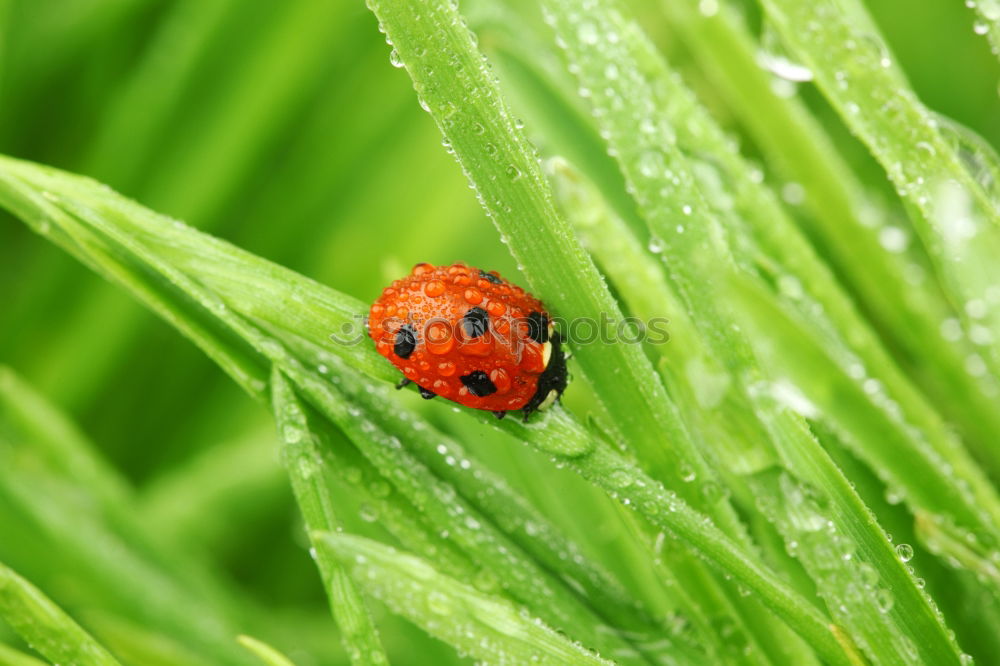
368	513
951	329
905	552
980	27
513	172
975	365
893	239
292	434
774	57
893	495
656	244
394	59
587	33
621	478
976	308
438	603
883	600
712	492
926	149
793	193
651	163
708	8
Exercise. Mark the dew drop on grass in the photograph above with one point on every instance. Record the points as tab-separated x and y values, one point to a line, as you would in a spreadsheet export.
893	495
975	365
708	8
656	244
975	308
438	603
883	600
980	27
990	9
905	552
925	149
394	59
620	478
951	329
587	33
773	57
893	239
793	194
651	163
712	492
368	513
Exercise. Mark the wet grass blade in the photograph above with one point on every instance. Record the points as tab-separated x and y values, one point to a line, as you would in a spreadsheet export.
489	629
45	626
302	458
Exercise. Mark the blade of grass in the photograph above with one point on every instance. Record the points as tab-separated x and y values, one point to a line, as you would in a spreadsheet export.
119	152
301	458
45	626
267	654
11	657
478	625
103	544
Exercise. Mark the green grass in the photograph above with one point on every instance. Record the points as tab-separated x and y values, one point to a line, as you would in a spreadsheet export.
806	472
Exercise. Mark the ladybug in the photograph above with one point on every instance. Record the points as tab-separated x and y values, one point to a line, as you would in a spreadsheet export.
470	336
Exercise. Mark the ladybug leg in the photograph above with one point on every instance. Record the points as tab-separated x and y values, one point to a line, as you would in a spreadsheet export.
425	394
500	414
403	382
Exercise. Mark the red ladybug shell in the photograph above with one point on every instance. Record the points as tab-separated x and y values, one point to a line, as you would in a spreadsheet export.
469	336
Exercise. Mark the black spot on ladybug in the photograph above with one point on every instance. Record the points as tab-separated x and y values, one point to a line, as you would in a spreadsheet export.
489	277
478	383
406	341
553	378
538	327
475	322
425	393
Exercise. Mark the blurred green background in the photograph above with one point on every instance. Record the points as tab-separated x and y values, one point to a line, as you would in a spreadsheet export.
281	126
